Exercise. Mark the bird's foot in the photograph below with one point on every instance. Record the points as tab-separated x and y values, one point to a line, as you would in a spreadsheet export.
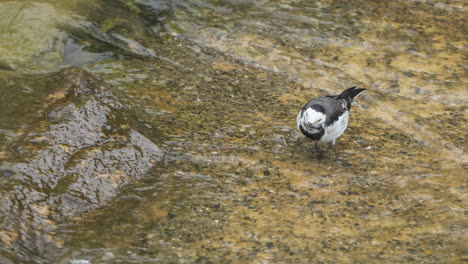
322	154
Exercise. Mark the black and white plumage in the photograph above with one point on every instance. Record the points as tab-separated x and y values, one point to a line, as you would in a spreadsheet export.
324	119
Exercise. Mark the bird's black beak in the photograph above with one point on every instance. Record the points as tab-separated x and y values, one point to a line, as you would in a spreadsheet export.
313	127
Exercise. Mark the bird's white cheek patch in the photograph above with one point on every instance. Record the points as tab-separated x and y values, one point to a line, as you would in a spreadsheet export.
312	117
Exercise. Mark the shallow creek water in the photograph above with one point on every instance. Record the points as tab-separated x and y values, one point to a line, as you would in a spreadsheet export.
221	82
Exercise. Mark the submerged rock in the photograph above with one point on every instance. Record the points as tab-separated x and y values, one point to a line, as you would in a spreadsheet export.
155	11
50	35
86	144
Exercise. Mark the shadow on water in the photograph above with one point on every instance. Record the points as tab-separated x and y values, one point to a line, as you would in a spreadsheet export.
239	184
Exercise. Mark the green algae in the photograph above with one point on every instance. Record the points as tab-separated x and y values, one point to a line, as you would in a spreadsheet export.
45	36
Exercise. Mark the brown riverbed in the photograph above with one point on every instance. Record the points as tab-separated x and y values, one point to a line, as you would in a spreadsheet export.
240	184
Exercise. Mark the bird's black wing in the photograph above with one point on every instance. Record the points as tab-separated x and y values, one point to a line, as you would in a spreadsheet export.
332	106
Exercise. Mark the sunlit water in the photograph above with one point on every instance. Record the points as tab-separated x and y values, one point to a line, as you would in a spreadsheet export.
222	81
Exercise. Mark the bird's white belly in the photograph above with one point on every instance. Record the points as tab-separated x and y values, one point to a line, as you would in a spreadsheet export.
336	129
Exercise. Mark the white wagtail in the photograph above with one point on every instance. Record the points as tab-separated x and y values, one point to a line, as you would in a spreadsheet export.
324	119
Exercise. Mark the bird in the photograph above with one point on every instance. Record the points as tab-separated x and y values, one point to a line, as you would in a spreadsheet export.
325	118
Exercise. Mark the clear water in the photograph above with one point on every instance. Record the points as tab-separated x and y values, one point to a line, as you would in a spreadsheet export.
222	81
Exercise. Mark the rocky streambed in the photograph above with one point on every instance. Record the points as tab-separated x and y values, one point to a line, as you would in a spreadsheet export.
175	141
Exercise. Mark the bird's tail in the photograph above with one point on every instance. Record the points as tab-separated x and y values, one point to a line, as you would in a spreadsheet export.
349	94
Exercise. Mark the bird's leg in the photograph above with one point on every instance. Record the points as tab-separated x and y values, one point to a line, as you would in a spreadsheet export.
316	146
330	145
323	154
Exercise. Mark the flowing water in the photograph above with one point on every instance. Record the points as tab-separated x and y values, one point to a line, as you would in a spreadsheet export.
219	83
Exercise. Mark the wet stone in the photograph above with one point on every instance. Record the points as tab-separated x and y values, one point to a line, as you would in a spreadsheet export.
154	10
85	145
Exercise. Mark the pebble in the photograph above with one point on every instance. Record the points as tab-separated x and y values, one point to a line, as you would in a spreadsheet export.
80	261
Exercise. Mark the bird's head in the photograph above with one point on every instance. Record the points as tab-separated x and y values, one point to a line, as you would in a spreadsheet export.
313	119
